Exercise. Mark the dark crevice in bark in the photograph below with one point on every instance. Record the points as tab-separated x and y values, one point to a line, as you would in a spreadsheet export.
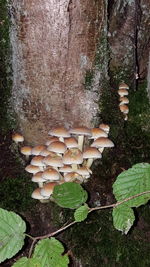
123	24
136	30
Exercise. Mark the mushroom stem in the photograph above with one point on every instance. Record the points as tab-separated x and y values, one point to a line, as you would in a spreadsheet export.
61	177
74	167
61	139
27	157
89	163
101	149
40	184
80	141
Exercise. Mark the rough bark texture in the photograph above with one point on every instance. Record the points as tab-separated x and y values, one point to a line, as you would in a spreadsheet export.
144	44
144	38
129	38
54	44
122	38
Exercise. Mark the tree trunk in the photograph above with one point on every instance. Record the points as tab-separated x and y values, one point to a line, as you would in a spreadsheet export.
62	53
54	44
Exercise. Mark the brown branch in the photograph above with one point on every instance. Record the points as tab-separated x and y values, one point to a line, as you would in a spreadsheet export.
35	239
119	202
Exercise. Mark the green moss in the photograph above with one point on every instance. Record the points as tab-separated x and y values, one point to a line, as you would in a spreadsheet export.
7	121
119	74
88	79
16	193
97	243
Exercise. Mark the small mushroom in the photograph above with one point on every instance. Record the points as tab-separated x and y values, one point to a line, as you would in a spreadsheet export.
17	137
122	92
59	132
71	142
26	150
38	161
124	109
72	177
123	100
97	132
51	175
37	178
51	139
90	154
104	127
57	147
84	171
53	161
48	189
81	132
101	143
36	194
32	169
123	86
73	157
37	149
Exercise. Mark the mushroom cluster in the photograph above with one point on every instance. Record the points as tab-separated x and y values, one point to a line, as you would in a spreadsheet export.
124	101
65	157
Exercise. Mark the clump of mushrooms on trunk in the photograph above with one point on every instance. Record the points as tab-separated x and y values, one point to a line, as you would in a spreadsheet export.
66	156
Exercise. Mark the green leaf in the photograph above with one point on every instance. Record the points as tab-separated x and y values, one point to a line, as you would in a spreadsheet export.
49	252
69	195
81	213
131	182
123	218
25	262
12	229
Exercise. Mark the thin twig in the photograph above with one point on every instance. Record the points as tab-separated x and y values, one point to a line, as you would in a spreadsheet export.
119	202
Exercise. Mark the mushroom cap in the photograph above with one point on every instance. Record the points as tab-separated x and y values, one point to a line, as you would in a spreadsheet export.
36	194
65	169
80	131
84	171
17	137
59	132
97	132
54	161
91	153
37	149
123	86
38	161
123	100
104	127
26	150
124	109
72	156
51	139
68	177
71	142
32	169
51	174
102	142
48	189
123	92
37	177
57	147
45	153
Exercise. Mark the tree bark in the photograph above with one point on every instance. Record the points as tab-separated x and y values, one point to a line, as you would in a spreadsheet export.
54	43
